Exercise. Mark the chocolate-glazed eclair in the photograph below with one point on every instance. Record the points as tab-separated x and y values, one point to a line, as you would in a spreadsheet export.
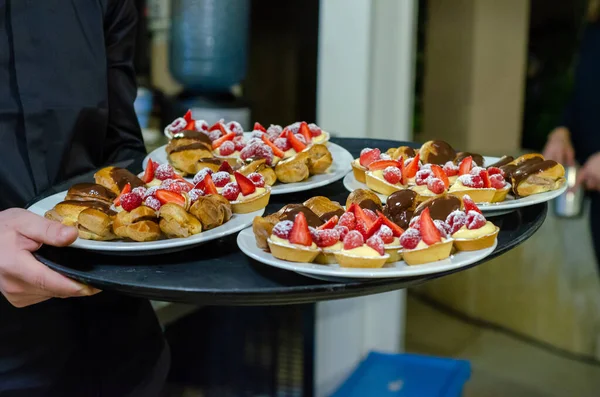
504	160
90	192
477	158
324	208
400	207
523	161
437	152
115	179
537	177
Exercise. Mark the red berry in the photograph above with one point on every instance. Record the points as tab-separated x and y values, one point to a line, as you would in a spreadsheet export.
247	152
227	148
214	135
130	201
456	220
150	192
265	152
376	243
473	181
422	176
140	191
164	171
195	194
257	179
353	240
443	227
475	220
469	204
235	127
348	220
300	138
283	229
361	227
231	191
368	155
239	142
415	223
370	214
201	126
199	177
314	235
171	186
386	234
177	125
495	171
327	237
436	185
274	129
392	175
497	181
185	185
342	230
294	127
221	178
450	169
410	239
315	130
282	144
152	202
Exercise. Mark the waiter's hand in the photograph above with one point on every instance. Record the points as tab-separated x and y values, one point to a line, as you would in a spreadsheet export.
589	174
559	147
23	280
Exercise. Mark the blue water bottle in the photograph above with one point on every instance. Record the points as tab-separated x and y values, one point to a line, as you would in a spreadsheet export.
209	43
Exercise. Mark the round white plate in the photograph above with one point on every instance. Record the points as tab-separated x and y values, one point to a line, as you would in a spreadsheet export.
247	244
490	209
235	224
340	167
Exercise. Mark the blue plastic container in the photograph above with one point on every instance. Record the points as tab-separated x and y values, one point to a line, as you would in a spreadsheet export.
209	43
406	375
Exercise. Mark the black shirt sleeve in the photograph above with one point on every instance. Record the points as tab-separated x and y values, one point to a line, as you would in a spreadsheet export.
124	137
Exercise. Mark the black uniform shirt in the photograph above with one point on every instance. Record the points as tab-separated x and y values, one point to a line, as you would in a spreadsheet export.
67	87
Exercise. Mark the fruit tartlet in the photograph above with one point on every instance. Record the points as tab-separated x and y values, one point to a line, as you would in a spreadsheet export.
425	241
386	176
430	181
246	194
329	239
361	164
469	228
358	253
483	185
292	241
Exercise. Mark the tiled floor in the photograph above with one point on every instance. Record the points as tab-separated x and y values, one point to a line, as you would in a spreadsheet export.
501	365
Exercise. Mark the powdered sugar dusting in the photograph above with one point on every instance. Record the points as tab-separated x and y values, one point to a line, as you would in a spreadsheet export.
283	229
200	175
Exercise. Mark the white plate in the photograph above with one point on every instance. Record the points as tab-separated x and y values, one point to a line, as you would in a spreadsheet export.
340	167
247	244
235	224
490	209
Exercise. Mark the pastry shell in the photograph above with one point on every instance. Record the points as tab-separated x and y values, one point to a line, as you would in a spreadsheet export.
355	261
476	244
292	253
253	204
433	253
381	186
359	172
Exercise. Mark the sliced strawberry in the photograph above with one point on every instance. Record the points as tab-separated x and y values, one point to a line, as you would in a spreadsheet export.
224	129
469	204
383	164
396	230
429	232
359	214
166	196
259	127
330	224
208	185
276	151
369	156
191	126
125	190
486	178
300	234
305	131
245	184
284	133
411	169
216	126
361	227
295	142
374	228
465	165
439	173
149	172
227	137
225	166
188	116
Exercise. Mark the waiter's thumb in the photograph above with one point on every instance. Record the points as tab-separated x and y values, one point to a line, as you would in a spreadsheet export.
45	231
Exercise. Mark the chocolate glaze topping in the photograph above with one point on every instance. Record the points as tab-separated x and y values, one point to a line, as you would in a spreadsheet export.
370	204
289	214
510	169
191	146
440	153
195	135
122	177
440	207
502	162
477	158
210	160
400	206
407	151
97	205
328	215
90	191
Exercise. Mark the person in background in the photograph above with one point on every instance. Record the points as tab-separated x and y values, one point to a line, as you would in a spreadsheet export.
67	88
577	139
